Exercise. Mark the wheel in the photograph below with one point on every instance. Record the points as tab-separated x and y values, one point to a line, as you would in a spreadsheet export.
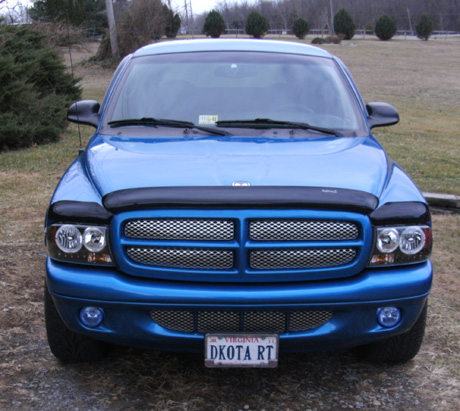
66	345
398	349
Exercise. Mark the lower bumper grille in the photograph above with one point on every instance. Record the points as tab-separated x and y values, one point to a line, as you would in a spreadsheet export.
229	321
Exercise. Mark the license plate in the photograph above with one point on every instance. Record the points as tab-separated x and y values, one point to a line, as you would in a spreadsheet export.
241	350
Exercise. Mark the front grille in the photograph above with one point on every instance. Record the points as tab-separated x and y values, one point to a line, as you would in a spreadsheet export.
181	229
241	245
301	230
187	258
299	259
232	321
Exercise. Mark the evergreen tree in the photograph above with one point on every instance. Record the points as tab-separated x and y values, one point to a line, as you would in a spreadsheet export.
66	10
256	25
300	27
385	27
96	17
424	27
35	89
172	21
344	24
214	24
77	12
38	11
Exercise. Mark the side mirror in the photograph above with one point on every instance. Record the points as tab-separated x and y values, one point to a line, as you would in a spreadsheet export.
84	112
381	114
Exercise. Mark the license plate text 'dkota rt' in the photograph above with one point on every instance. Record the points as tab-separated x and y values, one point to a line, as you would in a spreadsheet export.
227	350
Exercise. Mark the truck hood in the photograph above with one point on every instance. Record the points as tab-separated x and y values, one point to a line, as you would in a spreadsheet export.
118	163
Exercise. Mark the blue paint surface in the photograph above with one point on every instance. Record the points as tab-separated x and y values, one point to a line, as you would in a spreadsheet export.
129	291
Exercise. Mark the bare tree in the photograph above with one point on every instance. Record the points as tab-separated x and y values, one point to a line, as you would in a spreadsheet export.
13	13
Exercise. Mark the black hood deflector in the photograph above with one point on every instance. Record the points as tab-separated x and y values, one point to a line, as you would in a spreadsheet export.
404	212
241	197
78	212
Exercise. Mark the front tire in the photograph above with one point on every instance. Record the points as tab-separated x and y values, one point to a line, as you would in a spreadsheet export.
67	346
398	349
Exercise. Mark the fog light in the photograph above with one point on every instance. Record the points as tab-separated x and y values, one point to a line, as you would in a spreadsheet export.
91	316
388	316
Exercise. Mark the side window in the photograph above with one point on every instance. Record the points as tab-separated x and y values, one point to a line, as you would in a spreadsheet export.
112	82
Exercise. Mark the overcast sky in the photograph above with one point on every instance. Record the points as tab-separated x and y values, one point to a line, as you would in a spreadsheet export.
198	6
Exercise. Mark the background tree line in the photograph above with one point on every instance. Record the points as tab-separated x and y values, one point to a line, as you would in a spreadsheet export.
281	14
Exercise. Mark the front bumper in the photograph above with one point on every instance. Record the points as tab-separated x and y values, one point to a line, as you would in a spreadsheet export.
127	302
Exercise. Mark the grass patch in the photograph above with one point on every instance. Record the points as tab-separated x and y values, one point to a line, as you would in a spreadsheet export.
27	181
408	75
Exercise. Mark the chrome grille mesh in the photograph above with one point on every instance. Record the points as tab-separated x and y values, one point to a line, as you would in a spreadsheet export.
218	321
299	259
188	258
181	229
266	321
184	322
301	230
229	321
174	243
308	320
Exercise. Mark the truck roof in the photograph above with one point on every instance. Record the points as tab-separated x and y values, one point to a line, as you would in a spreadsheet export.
273	46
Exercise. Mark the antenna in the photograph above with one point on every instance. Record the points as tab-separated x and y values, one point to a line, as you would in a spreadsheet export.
81	149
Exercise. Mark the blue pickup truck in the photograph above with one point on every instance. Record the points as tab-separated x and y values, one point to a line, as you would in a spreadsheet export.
234	202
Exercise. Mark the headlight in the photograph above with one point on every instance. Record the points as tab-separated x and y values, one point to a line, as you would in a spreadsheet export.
387	240
68	239
79	244
412	240
94	239
401	245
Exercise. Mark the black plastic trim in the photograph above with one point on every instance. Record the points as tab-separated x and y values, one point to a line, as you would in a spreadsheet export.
241	197
78	212
381	114
408	212
84	112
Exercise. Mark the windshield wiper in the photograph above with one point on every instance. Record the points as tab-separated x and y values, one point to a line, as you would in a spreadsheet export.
149	121
269	123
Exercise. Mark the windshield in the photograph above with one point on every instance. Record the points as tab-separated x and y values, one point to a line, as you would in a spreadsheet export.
205	88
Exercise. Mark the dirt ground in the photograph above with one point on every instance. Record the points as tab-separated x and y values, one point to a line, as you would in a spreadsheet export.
32	378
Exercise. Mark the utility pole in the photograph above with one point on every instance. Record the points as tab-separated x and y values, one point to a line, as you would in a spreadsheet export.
410	22
193	22
112	29
332	19
186	14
